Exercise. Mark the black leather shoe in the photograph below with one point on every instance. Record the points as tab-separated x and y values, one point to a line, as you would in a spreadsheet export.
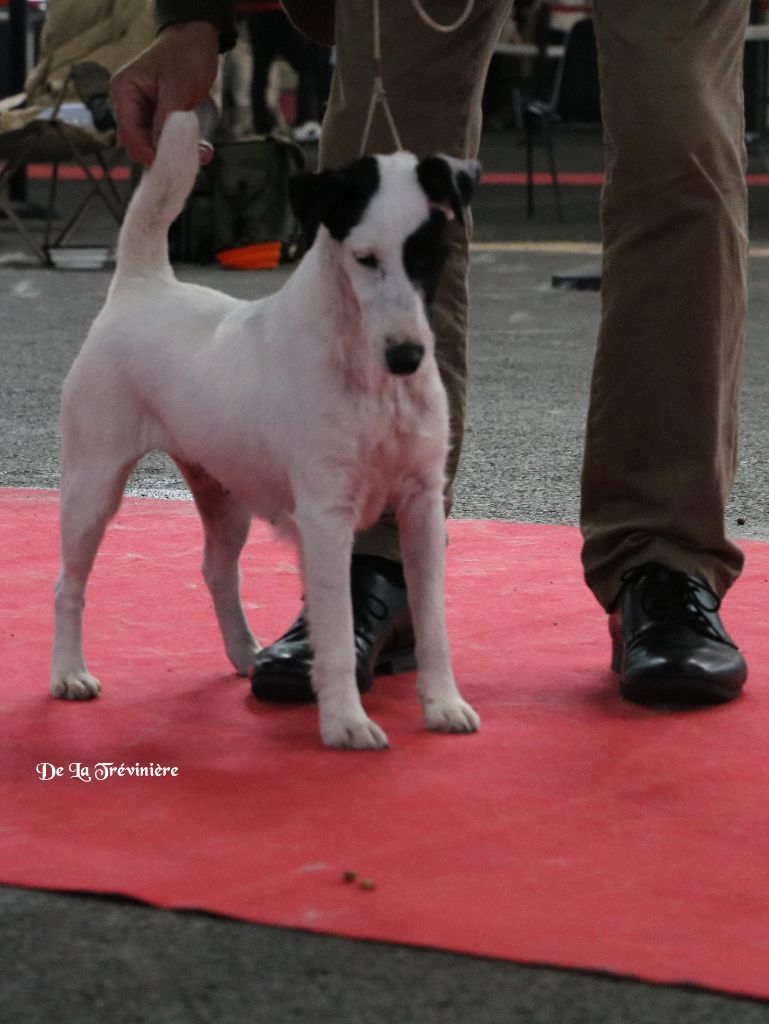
668	643
384	641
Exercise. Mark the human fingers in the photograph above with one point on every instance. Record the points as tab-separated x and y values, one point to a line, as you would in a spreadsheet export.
133	104
187	91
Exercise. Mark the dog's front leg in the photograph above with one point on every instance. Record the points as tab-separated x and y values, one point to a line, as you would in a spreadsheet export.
326	549
422	528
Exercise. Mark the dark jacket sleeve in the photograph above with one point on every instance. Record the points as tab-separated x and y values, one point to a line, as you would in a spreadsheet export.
221	13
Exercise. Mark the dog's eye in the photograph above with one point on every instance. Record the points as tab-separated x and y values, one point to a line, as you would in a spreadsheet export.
367	259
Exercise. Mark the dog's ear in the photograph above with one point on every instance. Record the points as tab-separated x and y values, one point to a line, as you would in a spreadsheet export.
335	198
449	183
305	193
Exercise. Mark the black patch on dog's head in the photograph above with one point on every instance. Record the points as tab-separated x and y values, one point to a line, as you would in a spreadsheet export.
424	254
449	181
337	198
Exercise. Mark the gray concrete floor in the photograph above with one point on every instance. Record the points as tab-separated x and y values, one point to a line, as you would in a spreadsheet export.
86	959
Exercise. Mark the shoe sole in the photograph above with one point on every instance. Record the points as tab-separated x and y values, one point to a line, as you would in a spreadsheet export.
678	692
672	689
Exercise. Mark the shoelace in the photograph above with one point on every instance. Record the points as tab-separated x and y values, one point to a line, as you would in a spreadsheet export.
672	596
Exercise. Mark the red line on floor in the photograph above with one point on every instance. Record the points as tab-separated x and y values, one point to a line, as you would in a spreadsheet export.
71	172
540	178
580	178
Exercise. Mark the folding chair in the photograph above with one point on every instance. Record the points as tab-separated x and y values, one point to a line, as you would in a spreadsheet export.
52	138
575	99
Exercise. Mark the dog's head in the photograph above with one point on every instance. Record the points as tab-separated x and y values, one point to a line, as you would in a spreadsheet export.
388	219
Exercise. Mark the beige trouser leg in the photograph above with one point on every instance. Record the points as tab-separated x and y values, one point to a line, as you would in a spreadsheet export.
434	83
662	427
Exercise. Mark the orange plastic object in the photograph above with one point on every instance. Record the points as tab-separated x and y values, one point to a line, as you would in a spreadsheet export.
262	256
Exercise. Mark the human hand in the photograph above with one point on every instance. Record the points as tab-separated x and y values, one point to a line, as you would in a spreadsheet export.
176	72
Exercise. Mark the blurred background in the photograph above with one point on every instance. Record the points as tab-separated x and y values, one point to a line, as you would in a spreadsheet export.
64	182
541	151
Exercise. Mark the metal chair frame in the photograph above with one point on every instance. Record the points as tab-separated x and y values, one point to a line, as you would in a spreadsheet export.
579	58
56	141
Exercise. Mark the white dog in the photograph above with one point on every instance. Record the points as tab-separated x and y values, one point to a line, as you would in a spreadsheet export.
313	409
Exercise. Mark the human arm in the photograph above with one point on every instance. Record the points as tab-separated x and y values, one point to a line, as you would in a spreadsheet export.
176	72
220	13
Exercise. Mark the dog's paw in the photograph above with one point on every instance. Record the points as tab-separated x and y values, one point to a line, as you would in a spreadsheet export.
451	715
78	685
243	656
353	734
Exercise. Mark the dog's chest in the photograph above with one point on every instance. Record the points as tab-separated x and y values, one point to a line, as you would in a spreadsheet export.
398	436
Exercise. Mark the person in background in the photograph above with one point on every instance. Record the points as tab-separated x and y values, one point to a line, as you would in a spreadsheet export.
660	449
273	35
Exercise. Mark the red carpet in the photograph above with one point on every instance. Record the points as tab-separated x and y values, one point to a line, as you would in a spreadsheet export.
574	829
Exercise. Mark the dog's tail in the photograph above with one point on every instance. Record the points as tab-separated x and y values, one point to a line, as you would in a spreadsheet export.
158	201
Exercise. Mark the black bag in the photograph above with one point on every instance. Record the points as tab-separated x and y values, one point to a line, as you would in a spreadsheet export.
240	198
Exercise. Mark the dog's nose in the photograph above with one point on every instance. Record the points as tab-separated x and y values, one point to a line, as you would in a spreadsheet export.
403	357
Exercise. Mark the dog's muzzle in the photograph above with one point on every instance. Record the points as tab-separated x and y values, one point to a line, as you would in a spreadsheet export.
403	357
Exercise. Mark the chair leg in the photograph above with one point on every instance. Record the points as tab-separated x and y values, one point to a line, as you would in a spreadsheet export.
21	227
104	188
119	201
529	136
50	211
518	108
554	172
72	223
6	205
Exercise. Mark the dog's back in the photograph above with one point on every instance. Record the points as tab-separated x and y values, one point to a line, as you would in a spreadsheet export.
143	243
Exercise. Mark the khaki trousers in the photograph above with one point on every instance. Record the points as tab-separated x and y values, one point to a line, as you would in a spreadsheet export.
661	439
434	83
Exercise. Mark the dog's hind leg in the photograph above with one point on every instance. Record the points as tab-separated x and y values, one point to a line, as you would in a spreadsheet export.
90	496
422	527
225	524
326	549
